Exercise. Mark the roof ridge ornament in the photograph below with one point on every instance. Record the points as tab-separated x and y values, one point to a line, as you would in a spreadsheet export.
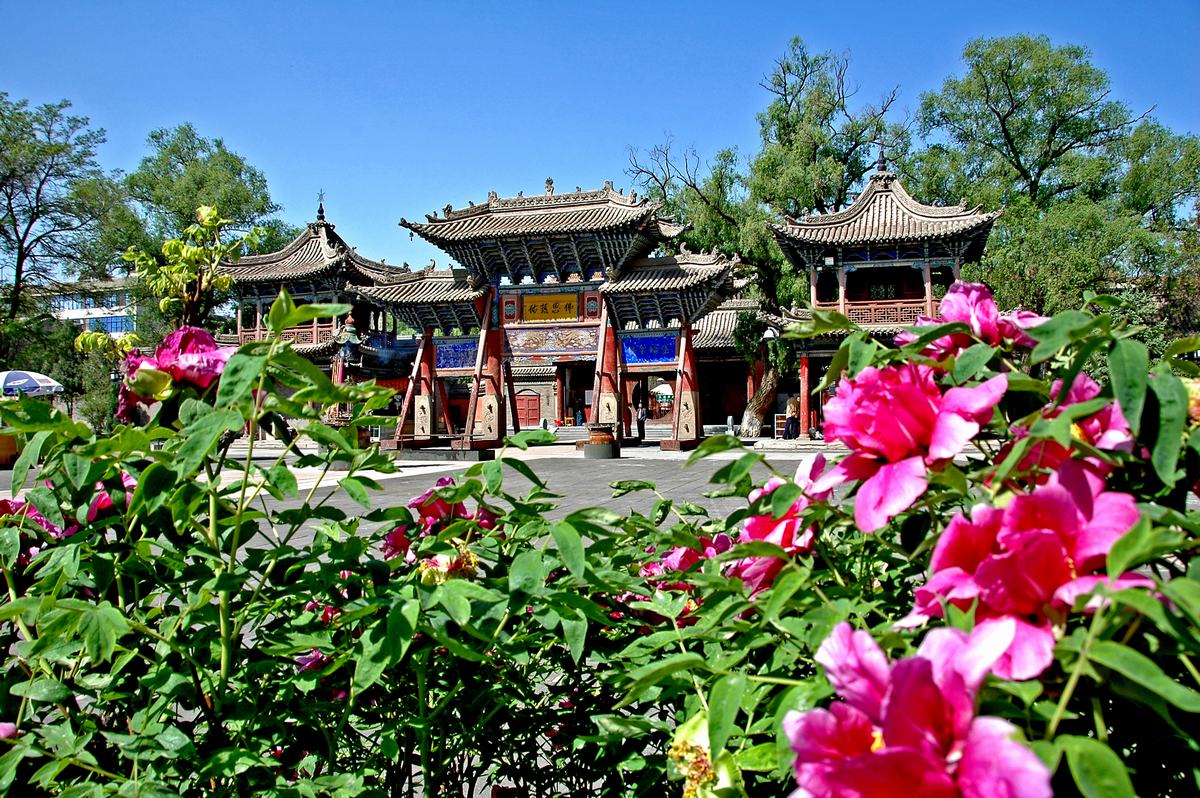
881	163
321	205
549	186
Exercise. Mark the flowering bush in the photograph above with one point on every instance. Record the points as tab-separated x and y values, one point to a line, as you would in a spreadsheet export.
993	592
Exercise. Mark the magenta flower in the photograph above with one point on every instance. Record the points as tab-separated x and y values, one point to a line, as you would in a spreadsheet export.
972	304
433	510
8	731
912	724
1029	561
311	661
789	532
898	425
104	501
187	356
396	544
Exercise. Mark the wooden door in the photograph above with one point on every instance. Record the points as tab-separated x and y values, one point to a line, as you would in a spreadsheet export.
529	410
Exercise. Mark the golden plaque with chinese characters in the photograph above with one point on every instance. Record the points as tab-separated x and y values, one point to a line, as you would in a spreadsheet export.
550	307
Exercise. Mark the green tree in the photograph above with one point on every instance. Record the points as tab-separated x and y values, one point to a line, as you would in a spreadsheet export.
1096	198
53	195
817	146
1034	118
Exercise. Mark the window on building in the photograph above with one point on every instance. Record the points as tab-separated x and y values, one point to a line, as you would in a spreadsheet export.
113	324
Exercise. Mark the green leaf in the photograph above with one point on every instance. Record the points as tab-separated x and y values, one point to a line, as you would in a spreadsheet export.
301	314
154	489
101	627
29	456
283	480
570	548
1172	418
761	758
1097	770
281	308
10	545
971	361
402	620
355	490
1057	333
201	437
655	672
1129	365
527	573
1182	345
326	436
1141	670
713	445
525	437
493	476
371	656
456	604
783	497
50	691
575	635
862	352
623	486
521	467
241	373
724	702
1131	548
821	323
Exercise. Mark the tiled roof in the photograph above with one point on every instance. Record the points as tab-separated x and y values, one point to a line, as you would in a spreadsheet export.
674	273
317	251
715	330
883	213
425	288
545	214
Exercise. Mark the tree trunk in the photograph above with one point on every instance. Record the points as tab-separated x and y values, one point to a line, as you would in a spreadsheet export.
759	404
14	306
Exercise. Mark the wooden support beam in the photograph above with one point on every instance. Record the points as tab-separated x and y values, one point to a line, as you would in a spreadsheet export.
601	340
506	367
406	404
484	326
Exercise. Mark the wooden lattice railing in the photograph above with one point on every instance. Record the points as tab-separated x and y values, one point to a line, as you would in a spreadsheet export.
303	334
876	313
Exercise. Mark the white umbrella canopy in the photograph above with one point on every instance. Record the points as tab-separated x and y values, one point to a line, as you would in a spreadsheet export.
29	383
663	390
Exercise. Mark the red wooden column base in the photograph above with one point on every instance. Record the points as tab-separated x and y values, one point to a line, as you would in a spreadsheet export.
687	428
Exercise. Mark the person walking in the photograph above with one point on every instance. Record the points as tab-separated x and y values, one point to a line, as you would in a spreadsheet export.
791	426
641	423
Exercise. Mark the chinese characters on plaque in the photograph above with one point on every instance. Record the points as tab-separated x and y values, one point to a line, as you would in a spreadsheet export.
550	307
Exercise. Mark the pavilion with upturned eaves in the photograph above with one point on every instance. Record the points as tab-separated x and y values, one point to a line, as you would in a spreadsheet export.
571	303
882	262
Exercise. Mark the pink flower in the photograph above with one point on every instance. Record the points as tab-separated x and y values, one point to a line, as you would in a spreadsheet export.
433	510
104	502
789	532
1105	429
972	304
189	355
1029	561
8	731
897	424
311	661
911	725
396	544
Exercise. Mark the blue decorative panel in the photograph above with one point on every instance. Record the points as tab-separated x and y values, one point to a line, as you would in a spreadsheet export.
456	354
649	348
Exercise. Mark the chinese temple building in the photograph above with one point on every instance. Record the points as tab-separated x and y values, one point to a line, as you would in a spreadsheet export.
882	262
571	307
318	266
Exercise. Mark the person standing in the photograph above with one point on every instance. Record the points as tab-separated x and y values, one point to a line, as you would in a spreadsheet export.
791	426
641	423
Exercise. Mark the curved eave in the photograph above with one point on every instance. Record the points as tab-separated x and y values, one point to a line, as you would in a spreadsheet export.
828	236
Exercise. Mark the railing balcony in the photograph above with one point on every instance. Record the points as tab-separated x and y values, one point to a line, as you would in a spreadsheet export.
310	333
875	313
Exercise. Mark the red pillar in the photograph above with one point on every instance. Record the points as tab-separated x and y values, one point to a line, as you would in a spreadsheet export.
687	422
804	396
606	398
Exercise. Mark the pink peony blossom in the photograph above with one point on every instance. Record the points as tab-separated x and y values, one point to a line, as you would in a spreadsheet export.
187	356
396	544
312	660
8	731
911	725
432	510
898	424
1029	562
789	532
972	304
104	501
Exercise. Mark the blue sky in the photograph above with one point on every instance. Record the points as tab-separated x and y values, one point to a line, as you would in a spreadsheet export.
397	109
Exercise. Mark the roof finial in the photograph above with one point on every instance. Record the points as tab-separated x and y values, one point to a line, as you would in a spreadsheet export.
321	205
549	186
881	164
